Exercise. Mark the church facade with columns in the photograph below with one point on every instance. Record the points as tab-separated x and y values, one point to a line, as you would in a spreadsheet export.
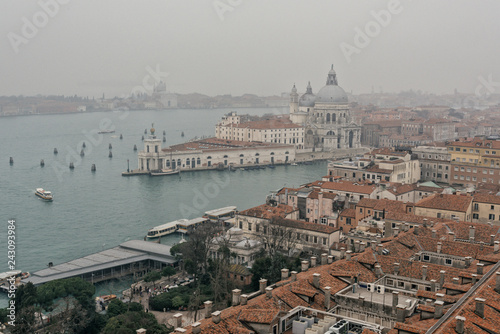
326	118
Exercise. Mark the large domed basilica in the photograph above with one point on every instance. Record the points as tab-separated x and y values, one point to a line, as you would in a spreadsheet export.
325	116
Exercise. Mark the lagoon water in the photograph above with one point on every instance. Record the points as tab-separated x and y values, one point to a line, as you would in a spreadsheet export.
93	211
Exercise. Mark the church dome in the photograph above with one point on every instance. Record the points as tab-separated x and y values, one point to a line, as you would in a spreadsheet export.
332	92
308	99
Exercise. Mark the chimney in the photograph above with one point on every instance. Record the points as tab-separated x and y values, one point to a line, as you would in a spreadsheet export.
480	307
379	239
356	246
324	259
439	245
438	309
262	285
304	265
395	231
497	285
396	268
196	329
284	274
342	253
424	272
496	247
294	276
468	261
451	236
362	247
425	222
415	230
456	280
313	261
406	227
379	249
330	259
400	314
474	279
348	255
441	278
472	233
328	294
480	268
362	301
434	234
269	292
208	308
492	239
236	297
460	326
316	278
373	243
244	299
395	298
388	229
178	320
440	296
216	317
433	285
378	270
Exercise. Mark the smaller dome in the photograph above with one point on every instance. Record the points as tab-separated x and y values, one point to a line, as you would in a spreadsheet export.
152	131
307	100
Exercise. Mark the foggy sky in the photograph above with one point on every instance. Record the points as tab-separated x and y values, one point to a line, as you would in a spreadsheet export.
246	46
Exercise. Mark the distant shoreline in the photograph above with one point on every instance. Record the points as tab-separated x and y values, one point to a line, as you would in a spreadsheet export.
134	110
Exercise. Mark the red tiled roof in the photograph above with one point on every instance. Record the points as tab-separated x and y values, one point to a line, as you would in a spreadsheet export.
261	316
485	198
267	211
446	202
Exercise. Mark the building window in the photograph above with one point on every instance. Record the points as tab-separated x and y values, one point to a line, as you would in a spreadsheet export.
414	287
439	214
241	224
475	216
491	216
249	226
426	258
447	262
492	207
401	284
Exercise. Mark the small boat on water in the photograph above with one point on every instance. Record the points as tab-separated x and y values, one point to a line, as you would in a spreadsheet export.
294	164
162	172
106	131
44	194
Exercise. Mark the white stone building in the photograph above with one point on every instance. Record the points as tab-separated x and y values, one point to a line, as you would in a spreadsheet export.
326	117
275	129
211	153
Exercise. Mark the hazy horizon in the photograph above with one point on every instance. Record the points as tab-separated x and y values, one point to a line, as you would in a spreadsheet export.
60	47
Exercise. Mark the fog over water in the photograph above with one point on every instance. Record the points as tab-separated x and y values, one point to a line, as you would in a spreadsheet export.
238	46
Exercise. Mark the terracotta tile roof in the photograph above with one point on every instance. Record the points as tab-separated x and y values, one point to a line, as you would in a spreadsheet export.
409	328
476	142
289	190
267	211
215	144
261	316
457	287
446	202
485	198
449	299
426	308
482	233
299	224
349	213
367	203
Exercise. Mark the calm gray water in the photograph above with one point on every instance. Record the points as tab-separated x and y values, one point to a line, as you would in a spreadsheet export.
95	211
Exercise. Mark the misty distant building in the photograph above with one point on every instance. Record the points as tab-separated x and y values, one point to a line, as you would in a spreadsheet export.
326	117
164	99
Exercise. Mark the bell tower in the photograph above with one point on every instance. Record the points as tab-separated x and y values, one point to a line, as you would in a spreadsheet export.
294	101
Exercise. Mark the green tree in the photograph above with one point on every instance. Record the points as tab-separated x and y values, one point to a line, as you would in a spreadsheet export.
168	271
177	302
152	276
116	307
131	321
